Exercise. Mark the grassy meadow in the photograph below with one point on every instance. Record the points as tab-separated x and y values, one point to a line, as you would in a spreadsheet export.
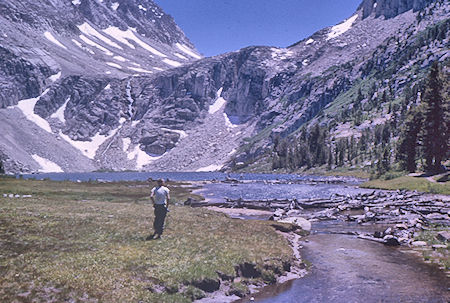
85	242
420	184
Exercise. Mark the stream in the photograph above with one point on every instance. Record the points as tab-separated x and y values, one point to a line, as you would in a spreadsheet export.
343	268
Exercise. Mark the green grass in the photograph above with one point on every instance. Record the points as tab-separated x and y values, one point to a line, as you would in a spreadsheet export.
410	183
85	242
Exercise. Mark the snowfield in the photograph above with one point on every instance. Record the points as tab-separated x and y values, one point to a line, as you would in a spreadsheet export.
128	35
187	50
339	29
218	104
59	114
46	165
52	39
27	108
88	30
92	43
88	148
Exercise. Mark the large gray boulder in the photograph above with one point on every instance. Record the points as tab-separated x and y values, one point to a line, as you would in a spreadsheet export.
304	224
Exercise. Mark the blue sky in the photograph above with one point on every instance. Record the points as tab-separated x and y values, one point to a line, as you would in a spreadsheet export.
220	26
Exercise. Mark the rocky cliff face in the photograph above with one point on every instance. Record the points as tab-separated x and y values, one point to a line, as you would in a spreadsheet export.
209	114
391	8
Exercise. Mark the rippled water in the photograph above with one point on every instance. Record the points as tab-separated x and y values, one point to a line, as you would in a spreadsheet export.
176	176
258	190
346	269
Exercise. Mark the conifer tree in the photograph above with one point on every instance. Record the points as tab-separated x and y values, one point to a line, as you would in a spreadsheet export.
435	134
406	151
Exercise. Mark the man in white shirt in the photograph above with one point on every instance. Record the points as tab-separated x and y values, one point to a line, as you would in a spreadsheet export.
160	197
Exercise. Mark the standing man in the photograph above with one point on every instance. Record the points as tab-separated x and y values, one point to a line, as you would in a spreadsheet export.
160	197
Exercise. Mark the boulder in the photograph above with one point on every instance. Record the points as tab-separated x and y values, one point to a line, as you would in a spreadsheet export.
439	246
419	243
391	240
298	221
443	236
155	149
207	284
247	270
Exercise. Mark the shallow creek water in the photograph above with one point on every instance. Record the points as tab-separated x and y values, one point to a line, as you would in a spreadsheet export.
343	268
347	269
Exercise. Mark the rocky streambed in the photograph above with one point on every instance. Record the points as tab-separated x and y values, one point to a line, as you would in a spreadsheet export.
347	263
404	213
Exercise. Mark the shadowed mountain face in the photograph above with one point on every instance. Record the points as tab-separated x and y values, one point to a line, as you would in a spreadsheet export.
115	84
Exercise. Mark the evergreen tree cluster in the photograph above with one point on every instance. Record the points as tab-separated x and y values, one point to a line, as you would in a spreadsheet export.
314	148
424	133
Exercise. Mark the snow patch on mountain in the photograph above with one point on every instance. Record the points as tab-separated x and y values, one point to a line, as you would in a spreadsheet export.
210	168
88	148
114	65
88	30
339	29
281	54
27	108
228	122
120	58
218	104
142	158
46	165
59	114
181	56
187	50
49	36
55	77
94	44
140	70
85	48
126	144
172	62
182	133
128	35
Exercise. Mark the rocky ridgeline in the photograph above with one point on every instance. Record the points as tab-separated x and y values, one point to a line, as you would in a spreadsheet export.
402	214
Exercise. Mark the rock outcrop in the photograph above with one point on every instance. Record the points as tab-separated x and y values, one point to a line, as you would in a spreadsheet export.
391	8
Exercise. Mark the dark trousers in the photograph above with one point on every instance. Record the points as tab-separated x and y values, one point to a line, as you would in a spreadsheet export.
160	216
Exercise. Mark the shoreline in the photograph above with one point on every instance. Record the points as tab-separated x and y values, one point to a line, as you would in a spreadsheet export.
415	244
297	268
